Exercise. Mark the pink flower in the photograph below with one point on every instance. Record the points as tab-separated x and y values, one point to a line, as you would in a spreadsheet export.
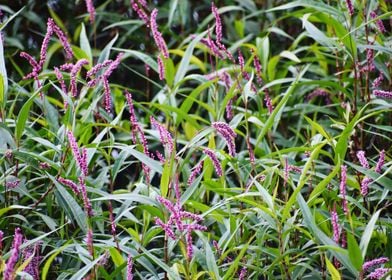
335	224
365	186
74	71
161	68
91	10
13	259
74	187
379	273
211	154
343	180
375	262
383	94
362	159
81	159
196	171
268	102
89	242
350	7
377	82
379	23
380	162
86	200
228	134
164	135
140	12
159	41
257	65
176	221
218	23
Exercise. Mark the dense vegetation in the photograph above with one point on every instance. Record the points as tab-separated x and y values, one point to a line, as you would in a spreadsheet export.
194	140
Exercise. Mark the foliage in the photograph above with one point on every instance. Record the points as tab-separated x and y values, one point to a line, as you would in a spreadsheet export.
190	140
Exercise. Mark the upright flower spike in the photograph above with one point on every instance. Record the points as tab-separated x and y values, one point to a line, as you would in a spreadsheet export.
380	162
362	159
86	200
228	134
257	65
218	24
89	242
215	161
350	7
161	68
335	224
158	38
91	10
365	186
13	259
268	102
343	180
81	159
33	267
377	82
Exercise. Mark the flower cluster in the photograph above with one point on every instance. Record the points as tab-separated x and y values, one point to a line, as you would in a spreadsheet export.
366	181
342	187
176	221
52	28
350	7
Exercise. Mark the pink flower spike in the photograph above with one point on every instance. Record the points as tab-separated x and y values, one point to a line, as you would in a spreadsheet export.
350	7
362	159
63	39
257	65
343	180
211	154
164	135
218	23
383	94
228	134
268	102
80	159
161	68
379	23
335	225
196	171
159	41
13	259
379	273
377	82
60	79
380	162
75	69
74	187
91	10
89	241
140	12
365	186
375	262
129	268
189	247
86	200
